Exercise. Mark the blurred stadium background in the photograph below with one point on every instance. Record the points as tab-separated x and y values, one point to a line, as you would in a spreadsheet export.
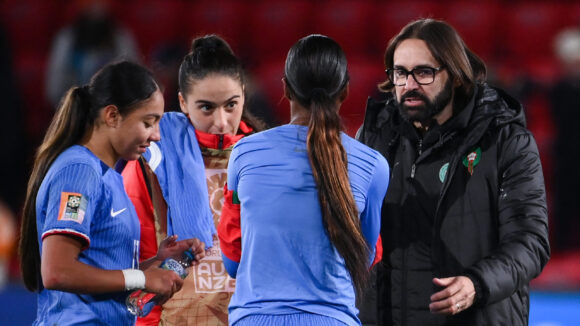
515	38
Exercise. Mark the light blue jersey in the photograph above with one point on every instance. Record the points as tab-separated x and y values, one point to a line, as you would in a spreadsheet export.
288	264
178	164
82	197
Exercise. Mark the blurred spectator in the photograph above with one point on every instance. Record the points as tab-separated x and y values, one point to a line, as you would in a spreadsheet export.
7	241
564	99
81	49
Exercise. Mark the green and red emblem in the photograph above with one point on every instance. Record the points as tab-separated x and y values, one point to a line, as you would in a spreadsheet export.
472	159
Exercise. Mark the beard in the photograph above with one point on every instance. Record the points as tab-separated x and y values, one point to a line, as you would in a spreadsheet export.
425	113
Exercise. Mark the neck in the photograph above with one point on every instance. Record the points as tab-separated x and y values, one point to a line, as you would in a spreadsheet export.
98	144
298	114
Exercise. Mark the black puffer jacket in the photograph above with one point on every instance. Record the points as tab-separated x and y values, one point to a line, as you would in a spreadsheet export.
490	222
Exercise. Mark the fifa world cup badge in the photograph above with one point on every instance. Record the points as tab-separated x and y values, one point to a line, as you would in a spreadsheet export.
72	207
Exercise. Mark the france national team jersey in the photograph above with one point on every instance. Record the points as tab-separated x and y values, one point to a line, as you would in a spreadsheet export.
288	264
82	197
178	164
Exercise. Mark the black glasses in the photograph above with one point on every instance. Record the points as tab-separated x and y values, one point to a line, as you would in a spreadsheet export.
422	75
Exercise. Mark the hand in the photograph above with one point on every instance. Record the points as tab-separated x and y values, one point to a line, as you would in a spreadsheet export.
169	247
161	281
198	249
457	295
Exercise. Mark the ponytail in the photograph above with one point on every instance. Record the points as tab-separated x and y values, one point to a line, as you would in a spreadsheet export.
66	129
329	168
316	77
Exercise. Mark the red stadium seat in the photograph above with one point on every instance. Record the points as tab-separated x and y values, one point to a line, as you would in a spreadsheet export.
571	16
30	24
347	22
530	28
225	18
155	23
29	70
391	17
477	23
365	74
274	26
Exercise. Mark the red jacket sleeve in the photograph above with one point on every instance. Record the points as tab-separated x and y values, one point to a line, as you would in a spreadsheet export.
378	251
229	229
135	186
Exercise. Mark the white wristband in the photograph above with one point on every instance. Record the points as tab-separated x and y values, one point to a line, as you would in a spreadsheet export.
134	279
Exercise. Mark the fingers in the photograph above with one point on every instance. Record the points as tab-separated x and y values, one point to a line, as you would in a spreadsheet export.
451	306
457	296
170	240
177	285
199	250
451	288
162	282
448	307
443	281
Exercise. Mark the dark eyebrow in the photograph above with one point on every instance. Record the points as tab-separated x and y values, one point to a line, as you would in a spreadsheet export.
419	66
212	103
204	102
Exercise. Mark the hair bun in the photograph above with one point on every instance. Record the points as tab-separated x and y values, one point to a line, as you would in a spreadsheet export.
211	42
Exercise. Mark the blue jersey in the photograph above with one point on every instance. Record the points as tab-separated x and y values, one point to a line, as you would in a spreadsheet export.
178	164
288	264
82	197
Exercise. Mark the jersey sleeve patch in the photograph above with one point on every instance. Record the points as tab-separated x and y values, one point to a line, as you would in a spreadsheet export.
72	207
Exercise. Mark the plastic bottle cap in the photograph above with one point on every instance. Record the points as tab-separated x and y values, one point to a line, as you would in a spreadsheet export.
189	254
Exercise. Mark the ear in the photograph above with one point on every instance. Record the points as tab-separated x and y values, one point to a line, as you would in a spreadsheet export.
182	103
286	90
111	115
344	93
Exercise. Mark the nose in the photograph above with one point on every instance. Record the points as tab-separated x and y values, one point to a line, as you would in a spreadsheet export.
156	135
411	83
220	120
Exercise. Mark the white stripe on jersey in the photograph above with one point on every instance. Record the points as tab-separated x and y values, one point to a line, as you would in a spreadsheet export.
156	156
69	232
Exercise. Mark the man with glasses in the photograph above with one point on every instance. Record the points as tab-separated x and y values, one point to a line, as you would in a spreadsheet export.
464	225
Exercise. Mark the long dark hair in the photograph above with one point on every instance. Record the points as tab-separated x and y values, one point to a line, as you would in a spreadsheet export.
211	54
123	84
447	48
316	76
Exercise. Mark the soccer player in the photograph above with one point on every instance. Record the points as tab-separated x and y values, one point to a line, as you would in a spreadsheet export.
80	233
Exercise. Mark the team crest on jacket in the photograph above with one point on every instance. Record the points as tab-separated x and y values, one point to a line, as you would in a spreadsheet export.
472	159
443	172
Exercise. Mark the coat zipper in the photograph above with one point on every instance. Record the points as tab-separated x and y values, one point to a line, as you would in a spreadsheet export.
420	151
221	141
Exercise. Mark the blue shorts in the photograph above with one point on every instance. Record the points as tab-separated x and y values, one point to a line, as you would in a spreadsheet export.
297	319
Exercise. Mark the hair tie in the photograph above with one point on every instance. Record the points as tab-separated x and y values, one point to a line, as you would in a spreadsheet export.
318	92
84	95
84	91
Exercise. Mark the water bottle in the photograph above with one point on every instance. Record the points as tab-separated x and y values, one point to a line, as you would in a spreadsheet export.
140	302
